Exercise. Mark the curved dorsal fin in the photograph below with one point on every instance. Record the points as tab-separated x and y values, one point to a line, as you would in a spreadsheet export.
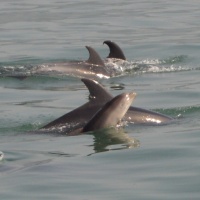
115	50
96	90
94	57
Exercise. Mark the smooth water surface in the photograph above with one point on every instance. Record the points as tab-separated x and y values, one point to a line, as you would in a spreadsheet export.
161	42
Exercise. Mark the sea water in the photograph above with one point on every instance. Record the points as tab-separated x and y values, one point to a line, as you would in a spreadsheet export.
161	42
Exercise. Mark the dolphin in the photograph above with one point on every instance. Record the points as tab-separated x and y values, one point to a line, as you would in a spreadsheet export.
98	97
110	115
91	68
81	115
134	114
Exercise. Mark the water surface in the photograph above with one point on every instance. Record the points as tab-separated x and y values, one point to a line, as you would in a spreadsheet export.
161	42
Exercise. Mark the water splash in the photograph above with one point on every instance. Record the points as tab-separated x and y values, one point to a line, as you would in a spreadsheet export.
171	64
116	67
1	155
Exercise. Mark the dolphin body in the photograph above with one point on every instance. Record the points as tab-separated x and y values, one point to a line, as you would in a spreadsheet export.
110	115
134	114
98	97
81	115
92	68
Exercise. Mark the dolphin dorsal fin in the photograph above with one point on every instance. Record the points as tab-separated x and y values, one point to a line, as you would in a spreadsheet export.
115	50
94	57
96	90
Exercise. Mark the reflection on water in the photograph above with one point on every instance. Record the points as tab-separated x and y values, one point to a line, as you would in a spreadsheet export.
19	159
113	139
104	139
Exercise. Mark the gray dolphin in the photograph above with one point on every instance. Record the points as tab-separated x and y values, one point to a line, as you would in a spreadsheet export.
97	98
134	114
93	67
81	115
110	115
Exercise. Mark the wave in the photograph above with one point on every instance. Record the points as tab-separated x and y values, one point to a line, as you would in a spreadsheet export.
171	64
115	67
180	112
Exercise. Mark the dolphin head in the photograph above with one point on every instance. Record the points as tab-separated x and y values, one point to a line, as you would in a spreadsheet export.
111	113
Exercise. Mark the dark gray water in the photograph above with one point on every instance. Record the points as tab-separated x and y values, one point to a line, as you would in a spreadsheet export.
161	42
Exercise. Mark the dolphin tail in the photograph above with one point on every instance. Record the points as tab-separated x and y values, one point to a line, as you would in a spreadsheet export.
115	50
